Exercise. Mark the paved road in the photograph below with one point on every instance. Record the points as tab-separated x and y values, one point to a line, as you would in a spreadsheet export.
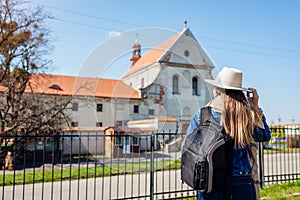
116	187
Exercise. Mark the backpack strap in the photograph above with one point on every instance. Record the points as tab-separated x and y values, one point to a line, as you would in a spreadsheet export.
205	115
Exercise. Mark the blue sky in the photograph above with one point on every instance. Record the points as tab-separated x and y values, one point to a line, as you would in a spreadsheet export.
260	37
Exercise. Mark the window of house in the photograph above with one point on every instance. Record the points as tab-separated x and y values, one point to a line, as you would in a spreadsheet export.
150	111
74	106
175	85
118	139
195	86
186	53
135	141
135	109
55	87
99	107
74	124
99	124
119	123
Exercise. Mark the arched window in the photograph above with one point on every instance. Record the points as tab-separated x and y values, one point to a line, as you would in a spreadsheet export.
175	85
195	86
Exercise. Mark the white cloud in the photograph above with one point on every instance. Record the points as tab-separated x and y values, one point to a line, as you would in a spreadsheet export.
114	34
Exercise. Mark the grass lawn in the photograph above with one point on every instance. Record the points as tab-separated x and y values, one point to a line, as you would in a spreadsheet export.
289	190
84	172
284	191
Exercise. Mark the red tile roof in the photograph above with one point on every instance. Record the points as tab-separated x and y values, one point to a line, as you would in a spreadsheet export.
79	86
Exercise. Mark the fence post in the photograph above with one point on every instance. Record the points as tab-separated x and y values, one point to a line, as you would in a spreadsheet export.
152	168
261	163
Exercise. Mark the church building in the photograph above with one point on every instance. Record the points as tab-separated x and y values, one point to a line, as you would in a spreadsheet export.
170	77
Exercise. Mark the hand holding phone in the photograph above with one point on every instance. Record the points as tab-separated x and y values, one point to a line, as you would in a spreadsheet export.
252	96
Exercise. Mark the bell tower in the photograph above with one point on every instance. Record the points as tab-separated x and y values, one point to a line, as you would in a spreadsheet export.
136	53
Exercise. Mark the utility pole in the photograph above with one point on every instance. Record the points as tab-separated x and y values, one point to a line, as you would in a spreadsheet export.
279	119
293	119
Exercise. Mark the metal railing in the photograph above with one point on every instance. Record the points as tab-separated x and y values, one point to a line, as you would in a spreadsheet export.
91	165
281	156
94	165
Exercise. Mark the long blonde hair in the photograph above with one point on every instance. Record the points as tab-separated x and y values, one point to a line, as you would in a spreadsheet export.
238	117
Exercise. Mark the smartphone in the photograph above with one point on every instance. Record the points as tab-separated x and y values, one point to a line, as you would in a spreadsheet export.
247	91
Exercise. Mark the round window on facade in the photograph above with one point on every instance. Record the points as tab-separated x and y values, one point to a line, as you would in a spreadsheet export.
186	53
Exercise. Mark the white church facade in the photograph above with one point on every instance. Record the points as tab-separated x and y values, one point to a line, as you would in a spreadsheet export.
170	77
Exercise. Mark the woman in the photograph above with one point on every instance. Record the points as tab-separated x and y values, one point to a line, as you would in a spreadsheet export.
244	122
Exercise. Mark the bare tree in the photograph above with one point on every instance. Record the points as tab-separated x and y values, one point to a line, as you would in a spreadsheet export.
24	47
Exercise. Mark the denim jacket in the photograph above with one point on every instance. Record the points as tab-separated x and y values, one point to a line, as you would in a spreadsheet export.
240	163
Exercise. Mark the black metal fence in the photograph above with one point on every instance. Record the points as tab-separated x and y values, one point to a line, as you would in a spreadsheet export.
281	156
125	165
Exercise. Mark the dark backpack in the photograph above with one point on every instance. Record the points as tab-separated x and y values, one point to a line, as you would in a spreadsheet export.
206	160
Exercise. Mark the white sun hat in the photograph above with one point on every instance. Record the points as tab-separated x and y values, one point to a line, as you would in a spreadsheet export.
228	78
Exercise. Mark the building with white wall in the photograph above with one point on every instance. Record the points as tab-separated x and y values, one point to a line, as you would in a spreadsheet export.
170	77
94	102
